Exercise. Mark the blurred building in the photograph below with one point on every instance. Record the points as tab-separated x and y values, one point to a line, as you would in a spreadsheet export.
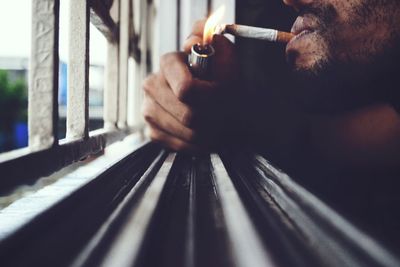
18	68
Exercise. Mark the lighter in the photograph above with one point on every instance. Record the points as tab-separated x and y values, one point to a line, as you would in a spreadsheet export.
200	59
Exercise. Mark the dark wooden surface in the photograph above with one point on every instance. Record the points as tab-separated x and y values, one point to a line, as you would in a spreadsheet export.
191	223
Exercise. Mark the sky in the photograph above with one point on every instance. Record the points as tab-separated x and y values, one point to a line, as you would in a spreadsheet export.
15	29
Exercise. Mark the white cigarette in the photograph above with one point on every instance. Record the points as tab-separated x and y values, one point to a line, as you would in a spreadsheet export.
269	35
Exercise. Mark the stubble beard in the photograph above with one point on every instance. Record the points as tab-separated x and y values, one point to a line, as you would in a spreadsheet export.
337	84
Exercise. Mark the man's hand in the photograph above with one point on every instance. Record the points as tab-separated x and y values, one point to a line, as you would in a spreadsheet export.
183	112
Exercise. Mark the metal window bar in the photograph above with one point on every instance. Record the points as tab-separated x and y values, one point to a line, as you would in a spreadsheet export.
78	71
46	153
112	79
123	62
43	84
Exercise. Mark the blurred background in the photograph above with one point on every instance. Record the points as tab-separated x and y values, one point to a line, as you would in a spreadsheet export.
15	49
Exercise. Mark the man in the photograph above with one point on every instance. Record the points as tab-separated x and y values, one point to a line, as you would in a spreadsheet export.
342	132
340	49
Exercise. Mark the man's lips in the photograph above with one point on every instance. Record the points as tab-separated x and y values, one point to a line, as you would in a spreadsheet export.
302	25
301	34
297	37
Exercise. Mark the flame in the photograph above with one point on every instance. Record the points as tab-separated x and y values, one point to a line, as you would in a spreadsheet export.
211	23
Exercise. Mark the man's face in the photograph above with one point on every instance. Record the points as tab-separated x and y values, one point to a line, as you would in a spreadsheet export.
342	35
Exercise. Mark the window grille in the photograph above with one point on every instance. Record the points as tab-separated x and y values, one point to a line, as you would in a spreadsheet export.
46	154
146	206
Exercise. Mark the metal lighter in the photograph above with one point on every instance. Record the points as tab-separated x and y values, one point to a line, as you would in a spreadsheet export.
200	59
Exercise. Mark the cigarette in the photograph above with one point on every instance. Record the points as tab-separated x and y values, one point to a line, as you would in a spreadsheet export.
269	35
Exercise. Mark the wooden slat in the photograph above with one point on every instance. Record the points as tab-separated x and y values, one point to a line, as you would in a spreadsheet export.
136	19
344	244
89	252
111	87
126	248
184	212
143	68
43	84
190	252
134	65
165	30
15	216
47	161
123	62
246	243
286	245
191	11
132	91
55	236
134	27
111	90
78	71
139	70
188	227
101	18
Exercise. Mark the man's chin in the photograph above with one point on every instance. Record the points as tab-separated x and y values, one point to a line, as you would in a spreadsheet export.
317	88
305	62
310	91
324	89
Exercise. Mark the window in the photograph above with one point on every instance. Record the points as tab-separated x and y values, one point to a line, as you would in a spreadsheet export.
14	74
73	80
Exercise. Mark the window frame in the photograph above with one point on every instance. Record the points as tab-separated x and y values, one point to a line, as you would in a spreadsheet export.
46	153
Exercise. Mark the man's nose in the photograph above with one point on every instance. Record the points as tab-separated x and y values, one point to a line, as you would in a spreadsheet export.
297	4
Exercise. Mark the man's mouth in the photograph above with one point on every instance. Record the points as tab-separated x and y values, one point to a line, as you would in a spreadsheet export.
302	34
302	27
303	23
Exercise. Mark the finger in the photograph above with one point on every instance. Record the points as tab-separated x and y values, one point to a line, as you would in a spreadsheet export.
224	56
196	36
198	27
164	138
153	113
176	72
180	80
156	86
